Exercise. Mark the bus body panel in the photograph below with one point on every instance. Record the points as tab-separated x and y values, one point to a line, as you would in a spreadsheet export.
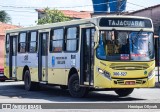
34	74
27	60
6	70
20	73
57	76
59	66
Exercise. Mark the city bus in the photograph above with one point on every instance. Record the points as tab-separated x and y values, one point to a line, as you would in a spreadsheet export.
102	53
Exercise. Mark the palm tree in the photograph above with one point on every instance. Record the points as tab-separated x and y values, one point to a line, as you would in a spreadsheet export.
4	17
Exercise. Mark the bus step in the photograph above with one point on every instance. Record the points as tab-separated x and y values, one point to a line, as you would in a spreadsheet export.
43	82
86	86
13	78
87	83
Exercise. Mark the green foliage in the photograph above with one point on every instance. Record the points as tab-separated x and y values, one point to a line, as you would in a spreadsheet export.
52	16
4	17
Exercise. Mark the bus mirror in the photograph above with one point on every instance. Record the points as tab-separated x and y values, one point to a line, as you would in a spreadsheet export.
96	36
96	39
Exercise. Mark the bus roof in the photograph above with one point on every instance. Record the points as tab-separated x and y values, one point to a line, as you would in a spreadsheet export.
72	22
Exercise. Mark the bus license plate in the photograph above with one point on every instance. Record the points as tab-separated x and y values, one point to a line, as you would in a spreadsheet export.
130	83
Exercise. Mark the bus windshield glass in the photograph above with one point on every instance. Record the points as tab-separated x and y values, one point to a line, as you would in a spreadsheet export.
126	45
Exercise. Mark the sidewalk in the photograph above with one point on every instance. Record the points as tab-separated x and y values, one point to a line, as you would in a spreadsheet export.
157	84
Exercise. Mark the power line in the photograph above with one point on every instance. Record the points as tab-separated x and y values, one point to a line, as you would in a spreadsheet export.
62	12
66	7
57	7
19	11
36	12
136	4
9	6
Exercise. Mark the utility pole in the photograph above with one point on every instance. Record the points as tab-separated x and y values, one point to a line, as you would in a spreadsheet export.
118	6
108	7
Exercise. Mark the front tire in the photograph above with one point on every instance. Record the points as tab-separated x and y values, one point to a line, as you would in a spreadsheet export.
124	92
74	89
29	85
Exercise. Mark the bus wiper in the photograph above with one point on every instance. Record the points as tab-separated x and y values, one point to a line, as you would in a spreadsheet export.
137	36
135	39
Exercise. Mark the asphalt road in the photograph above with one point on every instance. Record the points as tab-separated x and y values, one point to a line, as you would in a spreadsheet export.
14	92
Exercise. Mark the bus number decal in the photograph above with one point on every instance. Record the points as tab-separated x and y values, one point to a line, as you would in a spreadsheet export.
120	73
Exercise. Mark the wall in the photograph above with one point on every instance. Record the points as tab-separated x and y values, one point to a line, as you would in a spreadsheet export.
153	13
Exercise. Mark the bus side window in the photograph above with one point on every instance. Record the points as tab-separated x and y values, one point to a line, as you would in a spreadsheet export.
33	42
72	39
56	41
22	42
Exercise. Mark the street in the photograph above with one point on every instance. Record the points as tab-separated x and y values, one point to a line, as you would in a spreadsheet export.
14	92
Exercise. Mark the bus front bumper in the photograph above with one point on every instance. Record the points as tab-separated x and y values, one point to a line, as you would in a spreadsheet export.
133	83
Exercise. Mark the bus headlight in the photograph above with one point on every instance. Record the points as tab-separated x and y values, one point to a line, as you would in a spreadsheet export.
151	74
104	73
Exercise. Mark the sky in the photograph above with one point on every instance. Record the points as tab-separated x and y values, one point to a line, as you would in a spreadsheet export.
22	12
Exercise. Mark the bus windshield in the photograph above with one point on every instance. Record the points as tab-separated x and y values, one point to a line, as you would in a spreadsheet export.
126	45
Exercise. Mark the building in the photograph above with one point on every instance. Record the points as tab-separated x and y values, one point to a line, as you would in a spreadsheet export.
69	13
3	28
152	12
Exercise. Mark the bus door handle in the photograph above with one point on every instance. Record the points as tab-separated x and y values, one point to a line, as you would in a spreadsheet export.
43	73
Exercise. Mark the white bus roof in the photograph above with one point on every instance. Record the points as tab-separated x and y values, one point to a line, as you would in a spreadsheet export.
72	22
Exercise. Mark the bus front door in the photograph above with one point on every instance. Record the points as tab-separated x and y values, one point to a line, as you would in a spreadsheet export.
43	57
13	57
87	56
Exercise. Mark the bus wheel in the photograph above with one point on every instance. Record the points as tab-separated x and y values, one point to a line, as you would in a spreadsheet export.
27	81
64	87
124	92
74	89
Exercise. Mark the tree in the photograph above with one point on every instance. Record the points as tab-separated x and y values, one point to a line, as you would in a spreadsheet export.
53	16
4	17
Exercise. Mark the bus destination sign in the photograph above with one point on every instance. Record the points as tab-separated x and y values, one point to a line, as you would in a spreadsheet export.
125	22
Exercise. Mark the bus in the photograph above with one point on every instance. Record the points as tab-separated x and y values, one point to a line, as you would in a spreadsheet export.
102	53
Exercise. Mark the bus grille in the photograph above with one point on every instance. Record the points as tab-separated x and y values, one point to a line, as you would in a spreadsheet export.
131	66
122	82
